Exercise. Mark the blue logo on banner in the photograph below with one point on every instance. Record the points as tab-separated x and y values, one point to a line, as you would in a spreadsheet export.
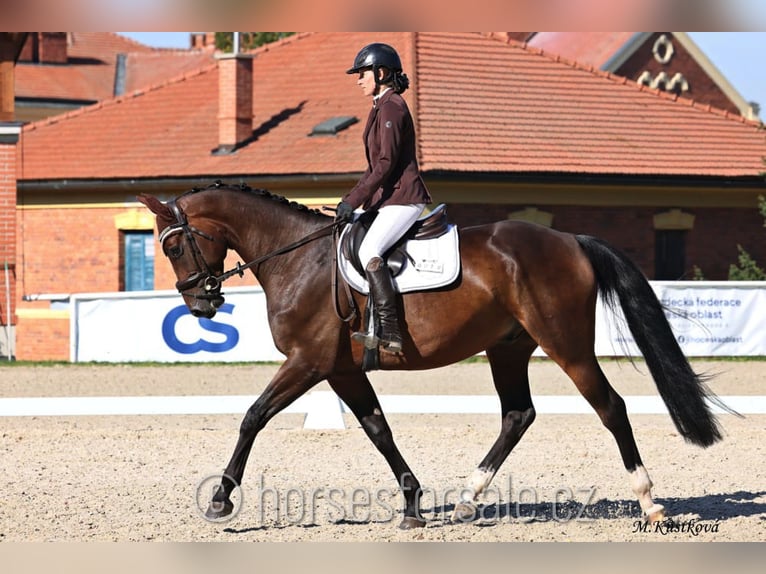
169	332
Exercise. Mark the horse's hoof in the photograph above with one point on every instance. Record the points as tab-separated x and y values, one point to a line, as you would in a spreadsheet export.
655	513
219	509
464	512
410	522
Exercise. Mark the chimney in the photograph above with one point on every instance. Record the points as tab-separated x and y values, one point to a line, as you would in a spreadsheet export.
29	49
235	101
11	45
203	40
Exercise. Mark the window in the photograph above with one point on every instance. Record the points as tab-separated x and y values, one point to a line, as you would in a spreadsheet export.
137	261
669	254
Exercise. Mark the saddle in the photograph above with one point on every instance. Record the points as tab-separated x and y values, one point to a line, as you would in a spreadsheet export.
429	226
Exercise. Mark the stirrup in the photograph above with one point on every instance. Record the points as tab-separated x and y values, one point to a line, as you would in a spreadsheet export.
370	341
393	347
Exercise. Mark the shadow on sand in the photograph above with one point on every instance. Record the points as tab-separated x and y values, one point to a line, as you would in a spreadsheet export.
710	507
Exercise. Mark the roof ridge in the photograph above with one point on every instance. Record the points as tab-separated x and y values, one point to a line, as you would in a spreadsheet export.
277	43
129	40
625	81
503	38
119	99
160	52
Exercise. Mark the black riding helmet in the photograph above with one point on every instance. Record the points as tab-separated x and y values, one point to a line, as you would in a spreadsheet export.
375	56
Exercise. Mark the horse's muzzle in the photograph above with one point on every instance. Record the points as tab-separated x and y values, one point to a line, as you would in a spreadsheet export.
206	303
206	307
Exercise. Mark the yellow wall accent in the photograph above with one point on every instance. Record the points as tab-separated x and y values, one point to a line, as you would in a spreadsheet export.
674	219
319	203
595	195
52	205
42	313
533	215
309	201
135	219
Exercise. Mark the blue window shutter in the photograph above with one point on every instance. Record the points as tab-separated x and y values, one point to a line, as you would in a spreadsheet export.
139	261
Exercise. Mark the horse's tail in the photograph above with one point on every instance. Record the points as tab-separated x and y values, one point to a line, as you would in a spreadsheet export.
683	391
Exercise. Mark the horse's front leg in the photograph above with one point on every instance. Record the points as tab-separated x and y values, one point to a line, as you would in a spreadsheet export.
292	380
357	392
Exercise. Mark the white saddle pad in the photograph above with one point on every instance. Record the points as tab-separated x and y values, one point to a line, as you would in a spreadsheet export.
436	264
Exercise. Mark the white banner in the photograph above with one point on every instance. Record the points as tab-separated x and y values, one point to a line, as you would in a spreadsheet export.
157	326
709	319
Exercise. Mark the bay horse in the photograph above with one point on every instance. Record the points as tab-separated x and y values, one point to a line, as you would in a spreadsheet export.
521	286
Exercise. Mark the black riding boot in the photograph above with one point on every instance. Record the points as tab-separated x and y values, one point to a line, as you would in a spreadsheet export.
384	302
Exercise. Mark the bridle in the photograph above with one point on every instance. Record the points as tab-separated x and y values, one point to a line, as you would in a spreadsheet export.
212	285
211	282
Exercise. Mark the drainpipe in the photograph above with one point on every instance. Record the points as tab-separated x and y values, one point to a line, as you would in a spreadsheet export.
8	311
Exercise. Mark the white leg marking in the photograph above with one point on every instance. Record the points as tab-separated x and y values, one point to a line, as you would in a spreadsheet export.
641	485
479	480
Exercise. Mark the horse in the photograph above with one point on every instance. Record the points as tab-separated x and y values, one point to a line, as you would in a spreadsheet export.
521	286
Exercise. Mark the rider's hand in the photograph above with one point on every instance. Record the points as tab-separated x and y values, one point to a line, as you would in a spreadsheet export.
344	212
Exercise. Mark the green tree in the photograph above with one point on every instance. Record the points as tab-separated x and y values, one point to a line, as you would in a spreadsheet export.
247	40
697	274
746	268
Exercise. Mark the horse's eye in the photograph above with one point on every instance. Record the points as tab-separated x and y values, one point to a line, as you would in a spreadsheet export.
175	252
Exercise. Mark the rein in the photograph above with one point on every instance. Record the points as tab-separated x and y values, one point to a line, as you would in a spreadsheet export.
212	283
239	269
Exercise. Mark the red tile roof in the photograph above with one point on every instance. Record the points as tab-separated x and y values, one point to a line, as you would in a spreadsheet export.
89	74
481	104
145	69
488	106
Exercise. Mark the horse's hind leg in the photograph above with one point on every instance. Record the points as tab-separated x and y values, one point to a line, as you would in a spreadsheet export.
508	361
355	390
610	407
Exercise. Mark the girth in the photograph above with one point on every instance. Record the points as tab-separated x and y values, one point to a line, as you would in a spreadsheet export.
429	226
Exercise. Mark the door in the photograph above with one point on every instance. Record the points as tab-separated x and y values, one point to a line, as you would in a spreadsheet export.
670	254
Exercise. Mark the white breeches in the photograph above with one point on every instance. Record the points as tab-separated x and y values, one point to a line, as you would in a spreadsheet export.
389	226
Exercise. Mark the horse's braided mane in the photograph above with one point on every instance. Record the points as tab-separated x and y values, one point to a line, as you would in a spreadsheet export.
243	187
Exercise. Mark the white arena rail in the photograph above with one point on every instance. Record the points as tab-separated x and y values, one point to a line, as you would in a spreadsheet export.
324	410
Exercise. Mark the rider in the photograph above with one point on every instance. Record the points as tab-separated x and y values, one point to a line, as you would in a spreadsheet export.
391	186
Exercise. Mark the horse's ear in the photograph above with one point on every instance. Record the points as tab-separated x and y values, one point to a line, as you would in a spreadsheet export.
154	204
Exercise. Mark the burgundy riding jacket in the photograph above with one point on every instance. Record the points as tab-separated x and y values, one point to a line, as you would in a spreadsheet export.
392	176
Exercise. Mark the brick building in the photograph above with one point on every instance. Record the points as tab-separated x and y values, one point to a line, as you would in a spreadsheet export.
504	130
9	134
10	47
668	61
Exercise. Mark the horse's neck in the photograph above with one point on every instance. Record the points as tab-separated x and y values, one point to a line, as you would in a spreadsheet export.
265	231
